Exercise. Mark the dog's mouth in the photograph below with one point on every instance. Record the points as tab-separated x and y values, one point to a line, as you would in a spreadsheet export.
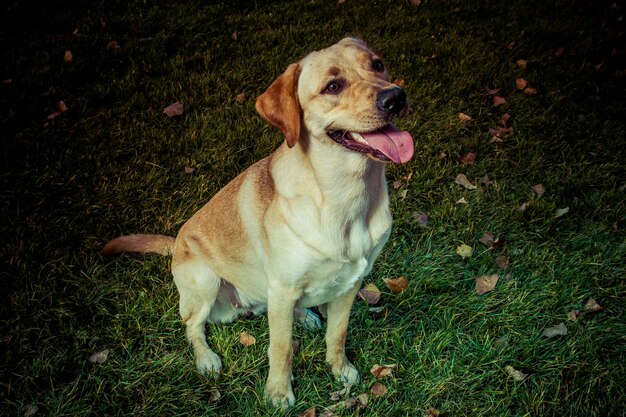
387	144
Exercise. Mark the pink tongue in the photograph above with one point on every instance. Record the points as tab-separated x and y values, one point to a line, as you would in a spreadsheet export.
396	145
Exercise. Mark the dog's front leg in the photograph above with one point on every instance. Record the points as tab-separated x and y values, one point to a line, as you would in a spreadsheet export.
338	312
280	310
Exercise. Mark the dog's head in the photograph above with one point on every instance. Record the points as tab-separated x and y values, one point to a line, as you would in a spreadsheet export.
340	95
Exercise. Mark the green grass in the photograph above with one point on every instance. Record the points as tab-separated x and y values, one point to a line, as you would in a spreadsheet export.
113	164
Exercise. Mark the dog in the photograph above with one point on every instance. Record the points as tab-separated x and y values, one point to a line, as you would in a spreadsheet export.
302	227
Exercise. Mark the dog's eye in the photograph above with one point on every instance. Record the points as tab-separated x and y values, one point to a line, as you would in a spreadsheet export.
378	65
333	87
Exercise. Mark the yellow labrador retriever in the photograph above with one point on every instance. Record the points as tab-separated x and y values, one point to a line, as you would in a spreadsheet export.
303	226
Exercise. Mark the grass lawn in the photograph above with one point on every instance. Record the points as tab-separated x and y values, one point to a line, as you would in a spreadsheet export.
113	163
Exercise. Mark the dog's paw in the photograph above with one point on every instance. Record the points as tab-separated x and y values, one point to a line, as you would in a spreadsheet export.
279	395
208	363
347	374
308	319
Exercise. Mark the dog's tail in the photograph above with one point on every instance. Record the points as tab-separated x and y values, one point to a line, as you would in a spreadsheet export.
160	244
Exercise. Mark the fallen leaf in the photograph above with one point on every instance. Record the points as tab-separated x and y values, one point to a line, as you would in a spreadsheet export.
396	185
234	36
112	46
214	396
592	306
240	98
363	400
246	339
415	3
521	83
399	82
421	218
350	403
370	293
464	251
461	200
7	81
503	261
381	371
468	159
522	63
402	194
530	91
61	106
493	91
30	410
99	357
515	374
523	207
505	119
539	189
559	51
397	285
378	390
464	118
558	330
498	101
486	181
561	212
461	179
189	170
68	57
487	239
486	283
433	412
442	156
510	45
53	115
174	109
308	413
573	315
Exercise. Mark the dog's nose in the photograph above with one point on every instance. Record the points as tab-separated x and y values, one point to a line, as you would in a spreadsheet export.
391	101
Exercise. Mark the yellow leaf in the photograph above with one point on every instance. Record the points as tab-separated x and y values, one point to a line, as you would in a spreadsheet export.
247	339
464	251
486	283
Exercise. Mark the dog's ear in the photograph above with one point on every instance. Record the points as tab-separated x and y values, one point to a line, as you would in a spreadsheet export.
279	104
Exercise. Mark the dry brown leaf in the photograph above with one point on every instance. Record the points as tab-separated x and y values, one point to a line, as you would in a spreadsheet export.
493	91
174	109
308	413
522	63
397	285
189	170
559	51
214	396
561	212
399	82
246	339
468	159
573	315
592	306
523	207
498	101
240	98
433	412
503	261
505	119
234	36
487	239
464	251
464	118
112	46
415	3
61	106
461	179
539	189
99	357
486	283
530	91
378	390
30	410
461	200
68	57
396	185
558	330
370	293
515	374
521	83
342	393
53	115
363	400
381	371
486	181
